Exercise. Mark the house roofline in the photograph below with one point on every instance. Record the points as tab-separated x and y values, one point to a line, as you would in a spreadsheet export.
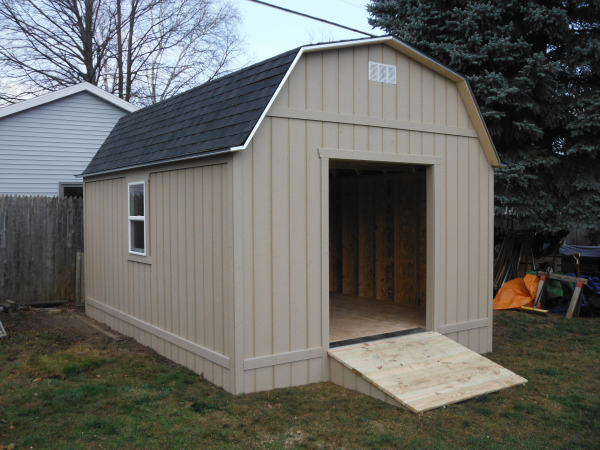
66	92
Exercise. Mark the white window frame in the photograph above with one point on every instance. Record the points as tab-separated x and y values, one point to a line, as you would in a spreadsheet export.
63	185
136	218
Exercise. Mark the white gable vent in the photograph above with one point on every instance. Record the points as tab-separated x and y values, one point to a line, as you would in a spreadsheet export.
384	73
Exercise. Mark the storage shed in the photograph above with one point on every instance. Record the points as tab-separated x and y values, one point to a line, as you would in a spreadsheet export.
326	214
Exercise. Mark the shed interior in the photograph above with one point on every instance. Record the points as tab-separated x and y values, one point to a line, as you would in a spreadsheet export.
377	246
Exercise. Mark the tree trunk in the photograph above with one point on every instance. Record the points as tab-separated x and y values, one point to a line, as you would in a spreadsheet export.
87	37
119	51
132	20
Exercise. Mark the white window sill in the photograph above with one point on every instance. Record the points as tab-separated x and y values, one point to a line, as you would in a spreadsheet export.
139	258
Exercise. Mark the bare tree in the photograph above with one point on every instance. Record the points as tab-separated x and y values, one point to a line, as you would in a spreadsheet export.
49	44
141	50
196	44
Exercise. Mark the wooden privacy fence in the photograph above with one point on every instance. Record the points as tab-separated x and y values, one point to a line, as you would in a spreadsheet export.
39	241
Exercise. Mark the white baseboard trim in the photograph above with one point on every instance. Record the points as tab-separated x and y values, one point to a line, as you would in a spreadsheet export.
190	346
282	358
463	326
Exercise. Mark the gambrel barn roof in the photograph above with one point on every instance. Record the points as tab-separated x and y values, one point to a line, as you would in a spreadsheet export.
223	114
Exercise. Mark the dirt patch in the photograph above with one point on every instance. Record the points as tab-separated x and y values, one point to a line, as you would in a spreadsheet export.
71	330
66	330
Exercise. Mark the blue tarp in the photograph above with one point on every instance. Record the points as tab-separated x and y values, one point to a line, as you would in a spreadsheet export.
584	250
593	285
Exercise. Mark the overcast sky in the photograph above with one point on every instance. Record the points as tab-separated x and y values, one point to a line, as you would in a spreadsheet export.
269	32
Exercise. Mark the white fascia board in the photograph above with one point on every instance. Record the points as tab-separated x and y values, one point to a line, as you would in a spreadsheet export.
273	97
412	53
62	93
162	161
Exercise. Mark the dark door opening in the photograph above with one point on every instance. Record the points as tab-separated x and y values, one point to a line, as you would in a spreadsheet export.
377	245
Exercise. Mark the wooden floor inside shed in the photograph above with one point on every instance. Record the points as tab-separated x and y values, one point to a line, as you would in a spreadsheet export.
353	317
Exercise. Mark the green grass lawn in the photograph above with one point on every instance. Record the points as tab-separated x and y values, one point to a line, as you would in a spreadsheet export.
70	388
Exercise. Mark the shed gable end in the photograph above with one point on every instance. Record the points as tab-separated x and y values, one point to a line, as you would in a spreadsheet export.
335	85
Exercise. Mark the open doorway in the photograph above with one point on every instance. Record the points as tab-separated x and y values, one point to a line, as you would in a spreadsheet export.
377	250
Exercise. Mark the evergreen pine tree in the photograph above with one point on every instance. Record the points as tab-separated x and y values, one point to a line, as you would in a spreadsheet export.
534	67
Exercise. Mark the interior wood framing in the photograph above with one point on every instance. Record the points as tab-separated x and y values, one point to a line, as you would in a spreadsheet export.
378	232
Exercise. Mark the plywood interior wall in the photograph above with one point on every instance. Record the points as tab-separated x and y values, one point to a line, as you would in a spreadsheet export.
378	236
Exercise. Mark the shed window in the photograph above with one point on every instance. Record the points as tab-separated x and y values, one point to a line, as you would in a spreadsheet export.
137	219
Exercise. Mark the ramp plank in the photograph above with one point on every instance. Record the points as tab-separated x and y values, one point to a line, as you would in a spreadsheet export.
425	371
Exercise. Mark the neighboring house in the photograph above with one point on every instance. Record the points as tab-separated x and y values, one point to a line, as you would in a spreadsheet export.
257	226
46	141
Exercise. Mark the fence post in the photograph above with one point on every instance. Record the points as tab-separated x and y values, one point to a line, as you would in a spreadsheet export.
78	272
82	288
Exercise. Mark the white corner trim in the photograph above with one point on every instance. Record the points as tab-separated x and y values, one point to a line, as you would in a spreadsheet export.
283	358
464	326
190	346
62	93
401	158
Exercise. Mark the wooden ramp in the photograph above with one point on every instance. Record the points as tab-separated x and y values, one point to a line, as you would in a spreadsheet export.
426	370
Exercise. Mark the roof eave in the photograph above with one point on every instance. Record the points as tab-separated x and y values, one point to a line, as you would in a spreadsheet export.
156	163
66	92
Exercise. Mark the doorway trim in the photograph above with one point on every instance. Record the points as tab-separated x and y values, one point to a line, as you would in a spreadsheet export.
432	174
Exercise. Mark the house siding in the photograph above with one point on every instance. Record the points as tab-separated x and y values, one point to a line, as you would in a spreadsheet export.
184	290
51	143
282	194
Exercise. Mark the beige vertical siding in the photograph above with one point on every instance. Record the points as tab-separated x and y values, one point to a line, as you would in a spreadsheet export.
184	289
281	324
282	253
282	201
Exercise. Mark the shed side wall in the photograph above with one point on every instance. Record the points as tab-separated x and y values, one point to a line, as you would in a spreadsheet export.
184	291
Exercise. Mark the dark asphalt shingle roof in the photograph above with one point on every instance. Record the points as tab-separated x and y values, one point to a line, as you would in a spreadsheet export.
217	115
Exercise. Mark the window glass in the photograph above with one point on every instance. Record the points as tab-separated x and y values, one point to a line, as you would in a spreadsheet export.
136	200
137	236
137	219
73	191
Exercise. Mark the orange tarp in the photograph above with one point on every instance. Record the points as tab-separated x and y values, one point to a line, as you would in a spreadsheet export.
517	293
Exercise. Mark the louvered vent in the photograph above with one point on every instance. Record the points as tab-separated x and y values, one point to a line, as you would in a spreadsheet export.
384	73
